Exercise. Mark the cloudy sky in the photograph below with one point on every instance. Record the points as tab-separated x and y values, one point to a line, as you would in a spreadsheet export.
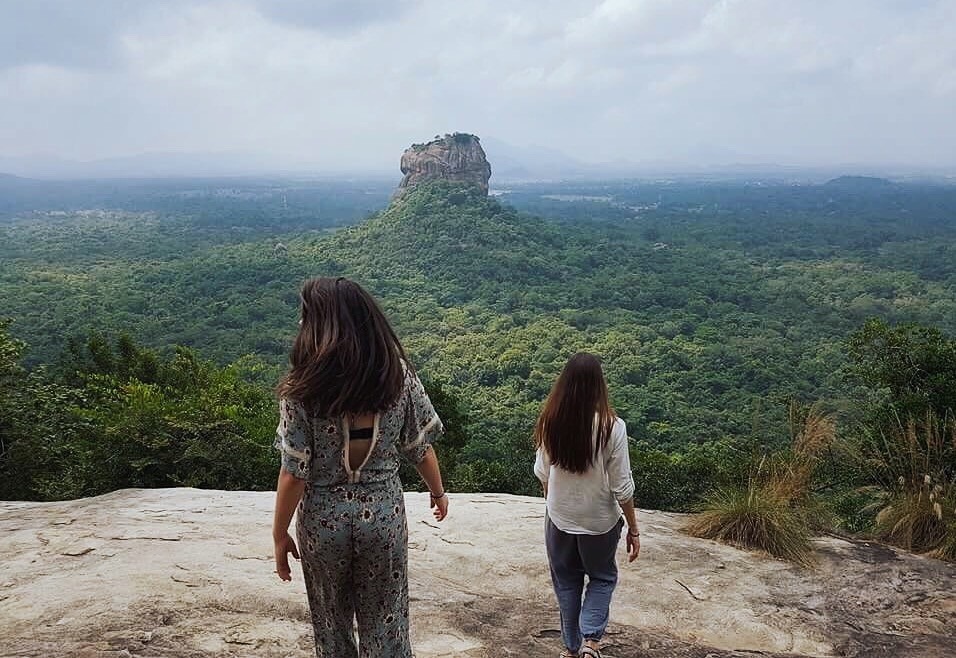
349	83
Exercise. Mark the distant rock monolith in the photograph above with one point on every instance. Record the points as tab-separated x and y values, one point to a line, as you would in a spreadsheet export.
457	158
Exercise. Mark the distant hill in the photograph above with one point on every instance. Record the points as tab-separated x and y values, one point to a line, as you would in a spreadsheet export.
168	165
862	183
455	237
511	162
11	180
18	193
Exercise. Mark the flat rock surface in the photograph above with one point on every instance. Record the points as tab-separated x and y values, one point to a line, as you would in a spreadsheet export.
183	572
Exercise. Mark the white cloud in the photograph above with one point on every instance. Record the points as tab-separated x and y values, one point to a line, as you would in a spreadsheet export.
41	82
351	83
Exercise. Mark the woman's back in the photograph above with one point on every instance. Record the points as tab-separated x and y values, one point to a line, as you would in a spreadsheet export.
317	448
582	462
587	503
351	406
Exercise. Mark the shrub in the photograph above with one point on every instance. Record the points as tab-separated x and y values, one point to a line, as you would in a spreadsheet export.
776	509
850	508
755	516
947	547
914	364
902	457
914	467
921	520
679	481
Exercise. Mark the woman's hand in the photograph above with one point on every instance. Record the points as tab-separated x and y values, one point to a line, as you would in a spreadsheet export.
440	507
633	545
283	546
289	490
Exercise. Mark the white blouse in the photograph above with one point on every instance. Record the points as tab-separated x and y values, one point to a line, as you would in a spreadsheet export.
588	503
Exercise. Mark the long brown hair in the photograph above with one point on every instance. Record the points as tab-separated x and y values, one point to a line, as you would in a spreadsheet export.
567	421
346	357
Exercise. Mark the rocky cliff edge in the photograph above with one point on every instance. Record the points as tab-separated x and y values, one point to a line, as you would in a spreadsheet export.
183	572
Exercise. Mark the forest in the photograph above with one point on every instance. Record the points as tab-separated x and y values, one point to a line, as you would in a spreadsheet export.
145	326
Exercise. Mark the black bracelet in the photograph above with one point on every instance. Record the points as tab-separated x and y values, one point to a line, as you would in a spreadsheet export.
434	497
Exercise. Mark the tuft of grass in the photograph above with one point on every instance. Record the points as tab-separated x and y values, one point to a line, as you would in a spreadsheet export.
775	511
947	547
902	457
915	464
921	519
755	516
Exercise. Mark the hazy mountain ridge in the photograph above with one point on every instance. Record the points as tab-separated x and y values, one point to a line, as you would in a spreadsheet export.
859	183
512	163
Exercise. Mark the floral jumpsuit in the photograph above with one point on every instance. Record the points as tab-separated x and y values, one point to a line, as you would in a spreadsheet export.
352	531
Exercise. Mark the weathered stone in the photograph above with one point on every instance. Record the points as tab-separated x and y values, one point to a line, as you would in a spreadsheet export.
479	582
457	158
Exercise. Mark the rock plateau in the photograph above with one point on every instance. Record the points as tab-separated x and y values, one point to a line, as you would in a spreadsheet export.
184	572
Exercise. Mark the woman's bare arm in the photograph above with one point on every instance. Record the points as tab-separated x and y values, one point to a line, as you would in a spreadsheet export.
431	473
289	490
633	532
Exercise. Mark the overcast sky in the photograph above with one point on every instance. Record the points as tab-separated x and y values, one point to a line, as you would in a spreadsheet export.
349	83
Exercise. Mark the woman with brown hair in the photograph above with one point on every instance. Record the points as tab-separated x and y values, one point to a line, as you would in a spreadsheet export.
583	464
350	407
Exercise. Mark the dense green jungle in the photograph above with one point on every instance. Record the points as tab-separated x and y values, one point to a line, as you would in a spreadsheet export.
144	324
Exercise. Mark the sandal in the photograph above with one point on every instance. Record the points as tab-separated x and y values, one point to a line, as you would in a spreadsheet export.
589	652
567	654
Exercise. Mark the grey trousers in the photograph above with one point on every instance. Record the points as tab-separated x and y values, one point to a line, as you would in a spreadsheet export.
572	557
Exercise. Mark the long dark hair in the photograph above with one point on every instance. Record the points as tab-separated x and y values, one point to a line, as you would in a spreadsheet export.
346	357
567	421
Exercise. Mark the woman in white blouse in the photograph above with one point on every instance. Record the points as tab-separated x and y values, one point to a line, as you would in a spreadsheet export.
583	464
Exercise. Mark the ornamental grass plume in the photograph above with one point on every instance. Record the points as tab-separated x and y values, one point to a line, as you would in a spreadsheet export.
772	511
915	463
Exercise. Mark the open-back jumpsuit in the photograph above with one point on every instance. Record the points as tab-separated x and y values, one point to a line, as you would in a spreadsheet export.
352	531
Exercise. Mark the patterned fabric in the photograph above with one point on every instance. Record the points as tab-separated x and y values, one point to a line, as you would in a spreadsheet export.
352	530
353	540
315	448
